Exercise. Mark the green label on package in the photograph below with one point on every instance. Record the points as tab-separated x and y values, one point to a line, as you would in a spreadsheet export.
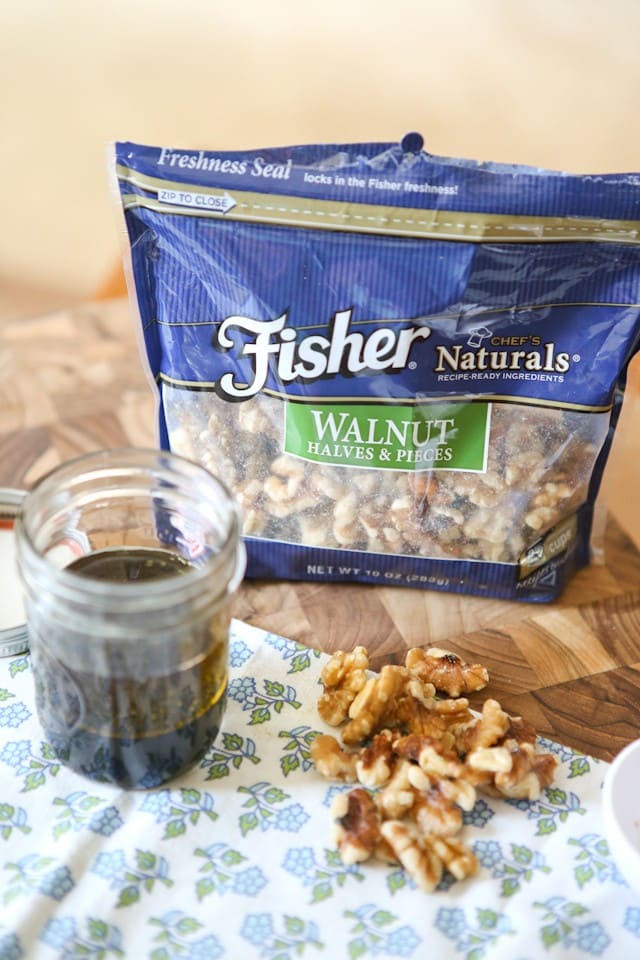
434	436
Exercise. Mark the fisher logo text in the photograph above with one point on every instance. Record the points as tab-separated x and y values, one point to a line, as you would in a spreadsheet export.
343	351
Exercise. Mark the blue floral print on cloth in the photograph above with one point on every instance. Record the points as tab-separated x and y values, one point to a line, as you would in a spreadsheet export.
234	859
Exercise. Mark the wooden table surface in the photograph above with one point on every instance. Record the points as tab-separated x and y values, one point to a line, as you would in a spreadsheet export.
73	381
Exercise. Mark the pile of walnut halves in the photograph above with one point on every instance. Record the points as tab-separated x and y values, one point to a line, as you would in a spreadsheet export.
419	755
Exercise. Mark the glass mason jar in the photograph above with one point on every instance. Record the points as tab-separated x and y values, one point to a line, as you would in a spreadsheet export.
129	559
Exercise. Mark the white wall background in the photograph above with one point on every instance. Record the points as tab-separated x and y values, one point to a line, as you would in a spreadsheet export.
548	82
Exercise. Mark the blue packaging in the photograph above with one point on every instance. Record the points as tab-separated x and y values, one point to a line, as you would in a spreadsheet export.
407	368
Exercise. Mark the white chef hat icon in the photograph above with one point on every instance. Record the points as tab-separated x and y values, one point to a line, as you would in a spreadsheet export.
477	335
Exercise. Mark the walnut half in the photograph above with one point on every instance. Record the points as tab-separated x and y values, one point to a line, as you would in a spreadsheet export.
356	825
446	671
343	678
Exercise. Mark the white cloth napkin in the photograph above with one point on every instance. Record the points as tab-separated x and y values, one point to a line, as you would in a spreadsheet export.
234	859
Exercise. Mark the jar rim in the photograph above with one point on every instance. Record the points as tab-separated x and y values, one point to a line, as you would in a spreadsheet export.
163	593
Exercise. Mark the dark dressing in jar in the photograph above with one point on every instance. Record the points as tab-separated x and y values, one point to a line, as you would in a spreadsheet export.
131	712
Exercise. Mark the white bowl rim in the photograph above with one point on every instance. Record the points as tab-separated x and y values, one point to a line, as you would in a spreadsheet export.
621	810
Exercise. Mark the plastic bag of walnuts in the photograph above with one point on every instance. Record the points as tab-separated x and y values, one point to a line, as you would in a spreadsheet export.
408	368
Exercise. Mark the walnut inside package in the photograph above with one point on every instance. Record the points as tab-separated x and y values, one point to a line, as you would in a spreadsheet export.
538	471
420	756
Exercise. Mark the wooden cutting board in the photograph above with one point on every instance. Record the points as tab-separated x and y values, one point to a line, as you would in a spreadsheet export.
73	381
